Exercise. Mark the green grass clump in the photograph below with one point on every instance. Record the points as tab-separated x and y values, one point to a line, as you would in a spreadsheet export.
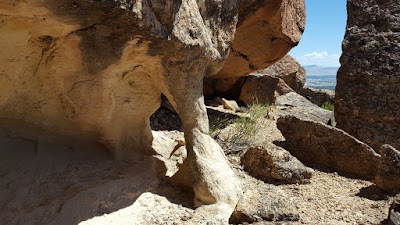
247	127
328	106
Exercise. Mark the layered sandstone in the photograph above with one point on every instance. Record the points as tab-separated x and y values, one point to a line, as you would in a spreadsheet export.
367	92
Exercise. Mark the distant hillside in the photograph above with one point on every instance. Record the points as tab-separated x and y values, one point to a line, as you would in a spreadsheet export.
314	70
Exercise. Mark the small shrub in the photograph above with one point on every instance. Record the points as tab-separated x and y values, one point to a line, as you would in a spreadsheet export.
328	106
247	127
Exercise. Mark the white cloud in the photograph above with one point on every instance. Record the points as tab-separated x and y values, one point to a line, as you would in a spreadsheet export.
319	58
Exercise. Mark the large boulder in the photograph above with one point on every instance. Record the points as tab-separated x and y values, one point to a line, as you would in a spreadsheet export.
273	163
262	89
282	77
367	92
317	96
266	31
317	143
388	172
289	70
261	204
293	104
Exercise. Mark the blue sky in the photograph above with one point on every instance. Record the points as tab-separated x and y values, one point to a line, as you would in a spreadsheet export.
321	43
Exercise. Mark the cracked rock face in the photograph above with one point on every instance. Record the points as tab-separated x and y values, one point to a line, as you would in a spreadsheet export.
367	92
95	70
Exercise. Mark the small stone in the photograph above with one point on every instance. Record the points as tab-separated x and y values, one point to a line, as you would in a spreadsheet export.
275	164
230	104
264	204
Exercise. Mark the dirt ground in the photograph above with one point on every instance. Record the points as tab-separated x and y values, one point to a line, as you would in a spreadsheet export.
44	183
329	199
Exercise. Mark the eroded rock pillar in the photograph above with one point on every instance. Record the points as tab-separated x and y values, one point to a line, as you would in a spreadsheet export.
216	187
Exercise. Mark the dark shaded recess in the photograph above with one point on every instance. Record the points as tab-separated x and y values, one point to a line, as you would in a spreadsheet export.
373	193
233	93
165	118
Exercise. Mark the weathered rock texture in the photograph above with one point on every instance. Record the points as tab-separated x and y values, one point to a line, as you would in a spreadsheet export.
142	212
367	91
289	70
293	104
323	145
262	89
320	144
96	70
275	164
277	24
318	97
50	183
388	172
264	204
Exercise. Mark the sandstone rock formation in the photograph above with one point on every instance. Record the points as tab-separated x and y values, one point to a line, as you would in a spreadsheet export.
170	152
367	92
52	183
277	24
96	70
289	70
275	164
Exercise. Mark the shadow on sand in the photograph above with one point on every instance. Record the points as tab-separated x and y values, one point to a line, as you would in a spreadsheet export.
44	183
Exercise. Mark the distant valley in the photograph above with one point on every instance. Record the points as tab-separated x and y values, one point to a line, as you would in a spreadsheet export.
314	70
321	77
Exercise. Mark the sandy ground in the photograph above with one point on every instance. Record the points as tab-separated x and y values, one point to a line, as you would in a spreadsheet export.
43	183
